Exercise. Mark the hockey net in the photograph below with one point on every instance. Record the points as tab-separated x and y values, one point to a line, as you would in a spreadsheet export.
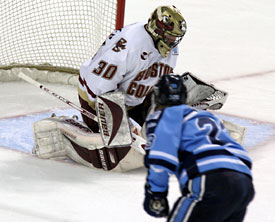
49	40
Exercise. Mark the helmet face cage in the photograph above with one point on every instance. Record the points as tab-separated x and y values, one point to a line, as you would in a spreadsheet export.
171	41
167	27
170	90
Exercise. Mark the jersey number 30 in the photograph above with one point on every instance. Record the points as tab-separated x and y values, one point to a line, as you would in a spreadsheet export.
106	70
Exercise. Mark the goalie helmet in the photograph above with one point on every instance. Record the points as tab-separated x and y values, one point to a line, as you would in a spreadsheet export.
167	27
170	91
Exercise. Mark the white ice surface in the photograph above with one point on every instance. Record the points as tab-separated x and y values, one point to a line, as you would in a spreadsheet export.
229	43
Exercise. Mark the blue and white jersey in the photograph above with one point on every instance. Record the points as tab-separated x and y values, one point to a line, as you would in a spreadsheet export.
188	142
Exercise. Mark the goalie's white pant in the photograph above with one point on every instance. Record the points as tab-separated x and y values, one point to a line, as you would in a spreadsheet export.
61	137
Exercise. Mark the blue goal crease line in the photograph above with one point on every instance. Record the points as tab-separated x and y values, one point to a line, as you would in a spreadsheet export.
16	133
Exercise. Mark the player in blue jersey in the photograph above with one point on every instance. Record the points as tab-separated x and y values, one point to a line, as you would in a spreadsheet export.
214	171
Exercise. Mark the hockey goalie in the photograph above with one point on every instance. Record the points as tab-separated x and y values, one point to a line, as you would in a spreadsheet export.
130	61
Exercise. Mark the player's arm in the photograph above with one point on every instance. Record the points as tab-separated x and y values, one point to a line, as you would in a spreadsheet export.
101	76
163	139
105	71
163	131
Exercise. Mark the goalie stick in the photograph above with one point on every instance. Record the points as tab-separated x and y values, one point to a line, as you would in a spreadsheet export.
40	86
120	132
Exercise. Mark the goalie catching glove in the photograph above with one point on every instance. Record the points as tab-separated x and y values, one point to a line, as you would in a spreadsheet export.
202	95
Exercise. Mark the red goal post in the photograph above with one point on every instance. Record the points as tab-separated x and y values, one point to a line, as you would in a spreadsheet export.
57	36
120	14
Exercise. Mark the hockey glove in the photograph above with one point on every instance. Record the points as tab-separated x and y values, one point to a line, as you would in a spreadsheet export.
156	203
202	95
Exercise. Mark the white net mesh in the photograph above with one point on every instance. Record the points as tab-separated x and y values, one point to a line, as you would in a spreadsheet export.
59	33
